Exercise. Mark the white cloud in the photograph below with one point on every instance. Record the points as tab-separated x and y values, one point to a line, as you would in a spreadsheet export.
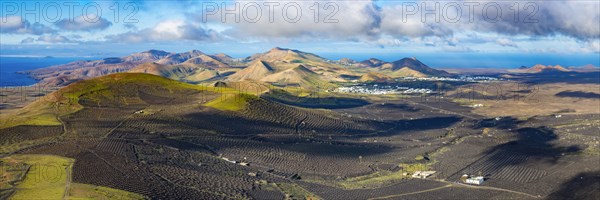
84	23
505	42
395	23
54	38
168	30
336	20
16	25
366	21
27	40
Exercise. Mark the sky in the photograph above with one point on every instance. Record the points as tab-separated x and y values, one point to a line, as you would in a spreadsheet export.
460	33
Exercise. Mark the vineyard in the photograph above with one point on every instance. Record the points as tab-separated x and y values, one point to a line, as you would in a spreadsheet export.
166	146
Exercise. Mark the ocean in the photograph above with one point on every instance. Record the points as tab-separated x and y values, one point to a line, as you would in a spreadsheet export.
9	66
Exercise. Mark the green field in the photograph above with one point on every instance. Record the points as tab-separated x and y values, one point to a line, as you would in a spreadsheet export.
231	102
84	191
48	177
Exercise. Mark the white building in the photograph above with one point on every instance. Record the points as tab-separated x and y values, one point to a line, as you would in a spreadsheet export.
422	174
475	180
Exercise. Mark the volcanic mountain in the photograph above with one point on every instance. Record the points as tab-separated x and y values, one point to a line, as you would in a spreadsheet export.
287	66
61	75
346	61
284	66
178	58
372	63
415	68
374	77
540	69
191	73
114	89
406	67
192	66
257	70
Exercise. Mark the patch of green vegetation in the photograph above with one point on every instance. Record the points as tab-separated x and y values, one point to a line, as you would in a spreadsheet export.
294	191
49	177
376	179
419	157
575	123
231	102
373	180
46	178
592	150
463	101
24	144
10	173
47	109
297	61
84	191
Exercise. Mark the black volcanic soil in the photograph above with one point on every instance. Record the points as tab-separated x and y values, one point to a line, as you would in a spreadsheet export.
179	149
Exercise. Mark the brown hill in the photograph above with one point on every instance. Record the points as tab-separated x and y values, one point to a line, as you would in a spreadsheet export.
540	69
414	67
280	65
406	67
207	61
224	58
178	58
374	77
346	61
257	70
61	75
299	75
186	73
371	63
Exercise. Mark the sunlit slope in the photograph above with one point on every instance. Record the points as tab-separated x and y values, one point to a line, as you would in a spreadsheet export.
188	72
257	70
49	177
114	89
287	66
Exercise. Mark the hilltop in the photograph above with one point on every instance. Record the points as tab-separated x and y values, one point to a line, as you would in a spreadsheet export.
186	66
374	77
111	89
289	67
540	69
61	75
279	66
192	73
405	67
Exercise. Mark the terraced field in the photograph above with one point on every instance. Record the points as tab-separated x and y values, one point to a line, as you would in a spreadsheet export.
154	144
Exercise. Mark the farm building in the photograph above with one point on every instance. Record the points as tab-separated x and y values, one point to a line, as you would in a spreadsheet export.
475	180
422	174
464	178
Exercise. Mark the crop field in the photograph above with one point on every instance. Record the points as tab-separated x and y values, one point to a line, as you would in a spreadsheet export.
155	145
20	133
36	176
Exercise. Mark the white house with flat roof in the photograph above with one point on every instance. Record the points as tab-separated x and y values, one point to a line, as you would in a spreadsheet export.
475	180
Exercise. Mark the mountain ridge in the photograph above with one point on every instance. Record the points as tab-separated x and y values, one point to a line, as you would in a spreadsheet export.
275	65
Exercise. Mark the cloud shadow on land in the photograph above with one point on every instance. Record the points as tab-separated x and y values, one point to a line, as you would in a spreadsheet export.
582	186
536	143
560	77
578	94
284	97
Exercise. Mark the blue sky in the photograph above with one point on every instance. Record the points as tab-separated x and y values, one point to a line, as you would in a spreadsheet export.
360	28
